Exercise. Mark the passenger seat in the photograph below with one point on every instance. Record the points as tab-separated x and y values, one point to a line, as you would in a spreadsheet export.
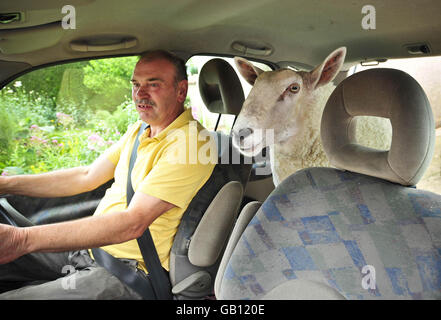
362	231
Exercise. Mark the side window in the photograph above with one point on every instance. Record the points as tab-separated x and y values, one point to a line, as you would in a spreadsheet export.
426	71
65	115
194	100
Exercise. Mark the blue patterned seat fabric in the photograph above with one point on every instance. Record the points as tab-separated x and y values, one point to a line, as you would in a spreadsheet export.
360	236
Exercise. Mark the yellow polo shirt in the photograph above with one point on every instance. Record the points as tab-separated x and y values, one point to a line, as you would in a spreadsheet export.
165	168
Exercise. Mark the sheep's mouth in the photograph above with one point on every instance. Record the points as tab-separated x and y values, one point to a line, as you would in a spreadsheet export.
251	151
248	149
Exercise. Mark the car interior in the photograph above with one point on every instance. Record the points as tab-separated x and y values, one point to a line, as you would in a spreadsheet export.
362	229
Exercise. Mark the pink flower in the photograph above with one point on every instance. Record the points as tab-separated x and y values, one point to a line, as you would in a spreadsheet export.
38	139
35	127
54	141
5	173
62	115
63	118
194	113
96	139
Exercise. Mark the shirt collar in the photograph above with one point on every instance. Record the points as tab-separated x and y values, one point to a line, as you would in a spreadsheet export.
183	119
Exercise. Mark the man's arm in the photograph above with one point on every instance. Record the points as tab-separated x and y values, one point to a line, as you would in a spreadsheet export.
86	233
60	183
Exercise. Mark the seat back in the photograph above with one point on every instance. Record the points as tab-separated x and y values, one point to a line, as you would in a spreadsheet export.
222	93
207	223
358	232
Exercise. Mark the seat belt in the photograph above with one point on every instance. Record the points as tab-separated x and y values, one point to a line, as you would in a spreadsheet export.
159	282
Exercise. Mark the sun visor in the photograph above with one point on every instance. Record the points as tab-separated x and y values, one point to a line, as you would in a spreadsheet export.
32	13
27	26
23	40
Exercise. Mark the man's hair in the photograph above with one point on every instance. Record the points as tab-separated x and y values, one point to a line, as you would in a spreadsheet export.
178	63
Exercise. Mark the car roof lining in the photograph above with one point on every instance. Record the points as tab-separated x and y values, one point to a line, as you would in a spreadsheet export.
302	32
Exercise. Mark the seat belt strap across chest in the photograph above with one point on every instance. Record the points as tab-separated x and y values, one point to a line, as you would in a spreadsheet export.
158	279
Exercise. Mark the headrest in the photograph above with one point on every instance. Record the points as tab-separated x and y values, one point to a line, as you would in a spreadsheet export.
387	93
220	87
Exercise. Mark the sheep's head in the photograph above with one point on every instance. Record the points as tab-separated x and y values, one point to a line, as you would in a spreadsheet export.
276	107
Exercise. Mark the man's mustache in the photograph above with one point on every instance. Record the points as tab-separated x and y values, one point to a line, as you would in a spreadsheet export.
146	101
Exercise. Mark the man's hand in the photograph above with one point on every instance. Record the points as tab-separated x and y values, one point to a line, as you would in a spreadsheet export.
12	243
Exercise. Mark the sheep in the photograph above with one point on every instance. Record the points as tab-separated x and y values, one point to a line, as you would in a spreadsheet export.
290	104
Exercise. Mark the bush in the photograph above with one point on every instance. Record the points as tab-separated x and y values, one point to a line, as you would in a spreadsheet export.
46	81
105	75
64	116
63	144
8	130
27	107
124	115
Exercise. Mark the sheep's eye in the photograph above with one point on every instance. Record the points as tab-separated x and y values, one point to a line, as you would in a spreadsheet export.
294	88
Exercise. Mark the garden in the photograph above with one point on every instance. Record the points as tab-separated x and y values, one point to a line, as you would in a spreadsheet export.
64	116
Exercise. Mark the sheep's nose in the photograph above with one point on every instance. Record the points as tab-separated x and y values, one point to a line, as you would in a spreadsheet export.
241	135
244	132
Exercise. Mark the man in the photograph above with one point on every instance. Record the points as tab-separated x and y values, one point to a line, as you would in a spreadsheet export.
163	190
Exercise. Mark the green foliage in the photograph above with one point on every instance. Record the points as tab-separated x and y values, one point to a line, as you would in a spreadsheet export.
46	81
120	119
192	69
63	144
7	134
27	107
104	76
64	116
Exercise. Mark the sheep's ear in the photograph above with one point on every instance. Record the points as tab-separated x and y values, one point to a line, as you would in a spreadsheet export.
247	70
326	72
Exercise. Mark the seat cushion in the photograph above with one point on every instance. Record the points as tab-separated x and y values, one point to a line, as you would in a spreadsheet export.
347	234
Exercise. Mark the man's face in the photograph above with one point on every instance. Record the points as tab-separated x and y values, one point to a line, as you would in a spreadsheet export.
157	97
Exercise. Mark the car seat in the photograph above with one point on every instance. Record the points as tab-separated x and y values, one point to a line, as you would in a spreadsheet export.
198	246
222	93
360	230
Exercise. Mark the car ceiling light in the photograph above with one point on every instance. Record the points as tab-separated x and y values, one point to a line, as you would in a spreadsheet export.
6	18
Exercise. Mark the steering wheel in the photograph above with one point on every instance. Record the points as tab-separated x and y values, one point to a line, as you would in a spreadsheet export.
12	216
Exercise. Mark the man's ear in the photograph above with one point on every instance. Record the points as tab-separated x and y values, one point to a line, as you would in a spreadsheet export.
247	70
326	72
182	90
